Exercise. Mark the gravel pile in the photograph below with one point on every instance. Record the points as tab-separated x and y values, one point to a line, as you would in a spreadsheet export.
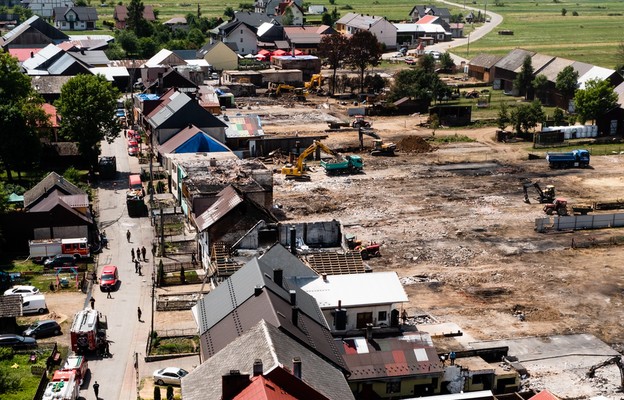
414	144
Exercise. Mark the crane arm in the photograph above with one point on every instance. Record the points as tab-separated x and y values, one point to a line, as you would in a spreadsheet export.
311	149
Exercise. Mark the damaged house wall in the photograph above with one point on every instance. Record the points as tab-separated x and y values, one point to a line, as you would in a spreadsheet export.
314	234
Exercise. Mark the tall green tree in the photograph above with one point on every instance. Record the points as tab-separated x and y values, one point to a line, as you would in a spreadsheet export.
540	85
136	23
567	83
525	117
524	78
503	116
427	63
87	106
597	98
333	49
128	41
417	84
364	50
446	61
20	115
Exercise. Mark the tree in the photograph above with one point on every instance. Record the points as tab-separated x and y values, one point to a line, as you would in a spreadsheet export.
169	392
597	98
326	19
128	41
196	37
446	61
427	63
563	12
363	50
229	12
288	17
540	85
524	78
567	82
147	47
415	83
503	116
115	52
333	49
135	21
619	58
20	115
87	105
558	117
525	117
156	392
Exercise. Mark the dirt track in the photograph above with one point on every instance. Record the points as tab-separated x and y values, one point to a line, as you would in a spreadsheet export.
454	220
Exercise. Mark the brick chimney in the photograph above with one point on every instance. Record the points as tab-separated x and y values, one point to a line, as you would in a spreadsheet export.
233	383
257	367
296	367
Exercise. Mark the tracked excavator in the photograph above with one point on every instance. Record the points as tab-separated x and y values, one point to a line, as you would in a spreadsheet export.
379	147
617	360
315	83
544	196
278	89
297	170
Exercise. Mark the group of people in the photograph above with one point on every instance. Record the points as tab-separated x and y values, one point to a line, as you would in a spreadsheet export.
140	251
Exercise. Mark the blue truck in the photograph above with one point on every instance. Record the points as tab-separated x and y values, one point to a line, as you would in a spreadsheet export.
575	158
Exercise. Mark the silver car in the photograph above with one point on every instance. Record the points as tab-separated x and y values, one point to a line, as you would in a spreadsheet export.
169	376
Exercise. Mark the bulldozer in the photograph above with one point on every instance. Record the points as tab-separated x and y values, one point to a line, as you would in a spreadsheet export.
544	196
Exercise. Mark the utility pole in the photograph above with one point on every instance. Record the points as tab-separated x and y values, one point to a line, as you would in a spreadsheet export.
485	12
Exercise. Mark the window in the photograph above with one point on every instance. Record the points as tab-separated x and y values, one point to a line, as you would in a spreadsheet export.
241	34
393	387
382	316
241	40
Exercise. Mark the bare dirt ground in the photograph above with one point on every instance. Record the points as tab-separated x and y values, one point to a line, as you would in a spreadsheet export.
454	226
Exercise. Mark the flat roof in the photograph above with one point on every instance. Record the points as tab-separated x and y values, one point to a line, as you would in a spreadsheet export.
356	289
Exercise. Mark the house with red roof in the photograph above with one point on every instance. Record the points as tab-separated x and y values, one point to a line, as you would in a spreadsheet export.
120	15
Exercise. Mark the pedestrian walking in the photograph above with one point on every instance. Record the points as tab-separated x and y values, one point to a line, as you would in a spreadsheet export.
92	301
452	357
107	349
138	253
143	251
139	313
137	265
108	294
96	389
132	252
140	273
193	259
128	234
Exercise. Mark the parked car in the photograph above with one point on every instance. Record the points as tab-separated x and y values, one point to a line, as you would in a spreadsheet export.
133	147
23	290
60	260
169	376
109	278
410	60
17	341
44	328
34	304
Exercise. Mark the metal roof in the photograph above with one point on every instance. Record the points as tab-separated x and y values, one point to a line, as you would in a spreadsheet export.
553	69
484	60
51	182
274	348
91	57
354	290
513	59
227	200
43	56
393	357
599	73
192	139
538	61
244	126
65	62
110	72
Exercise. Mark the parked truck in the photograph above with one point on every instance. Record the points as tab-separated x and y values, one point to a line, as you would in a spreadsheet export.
77	364
343	165
576	158
88	331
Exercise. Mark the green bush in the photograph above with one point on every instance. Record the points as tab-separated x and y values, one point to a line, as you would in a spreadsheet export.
169	392
156	393
6	353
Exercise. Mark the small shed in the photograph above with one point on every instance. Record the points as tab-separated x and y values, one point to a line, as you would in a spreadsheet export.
10	309
407	105
452	115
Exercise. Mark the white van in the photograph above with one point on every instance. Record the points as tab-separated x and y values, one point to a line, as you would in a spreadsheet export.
34	304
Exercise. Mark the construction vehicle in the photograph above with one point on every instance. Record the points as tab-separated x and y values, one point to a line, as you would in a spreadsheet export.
63	386
360	122
88	331
544	196
617	360
297	169
366	250
561	208
314	84
278	89
343	165
379	147
575	158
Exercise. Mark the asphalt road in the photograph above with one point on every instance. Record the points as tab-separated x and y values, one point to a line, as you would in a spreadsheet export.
117	375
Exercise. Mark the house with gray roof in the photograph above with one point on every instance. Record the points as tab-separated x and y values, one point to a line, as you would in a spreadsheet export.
506	68
481	67
75	18
384	30
52	60
175	111
418	12
241	33
256	19
264	346
34	32
45	8
258	292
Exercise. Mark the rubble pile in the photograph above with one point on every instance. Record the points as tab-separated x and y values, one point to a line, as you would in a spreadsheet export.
414	144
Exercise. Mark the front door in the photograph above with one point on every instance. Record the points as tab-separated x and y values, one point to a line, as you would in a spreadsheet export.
363	319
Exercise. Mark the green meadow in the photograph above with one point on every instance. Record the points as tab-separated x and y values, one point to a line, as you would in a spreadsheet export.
591	36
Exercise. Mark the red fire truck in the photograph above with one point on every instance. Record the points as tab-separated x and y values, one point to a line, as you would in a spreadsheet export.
88	331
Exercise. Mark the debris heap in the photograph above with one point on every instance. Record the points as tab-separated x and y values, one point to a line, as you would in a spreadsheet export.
414	144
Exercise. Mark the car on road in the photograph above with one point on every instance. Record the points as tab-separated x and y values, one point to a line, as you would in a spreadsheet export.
17	341
60	260
44	328
133	147
109	278
169	376
409	60
24	290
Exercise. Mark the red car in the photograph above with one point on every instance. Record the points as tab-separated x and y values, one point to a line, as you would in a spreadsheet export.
109	278
133	147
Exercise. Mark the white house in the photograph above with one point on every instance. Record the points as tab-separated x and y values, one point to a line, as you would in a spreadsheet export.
241	34
384	31
352	301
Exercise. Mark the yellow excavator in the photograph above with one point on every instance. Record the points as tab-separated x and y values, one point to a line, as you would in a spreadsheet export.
297	170
277	89
315	83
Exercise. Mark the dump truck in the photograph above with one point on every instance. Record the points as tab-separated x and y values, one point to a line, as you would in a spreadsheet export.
576	158
88	331
343	165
